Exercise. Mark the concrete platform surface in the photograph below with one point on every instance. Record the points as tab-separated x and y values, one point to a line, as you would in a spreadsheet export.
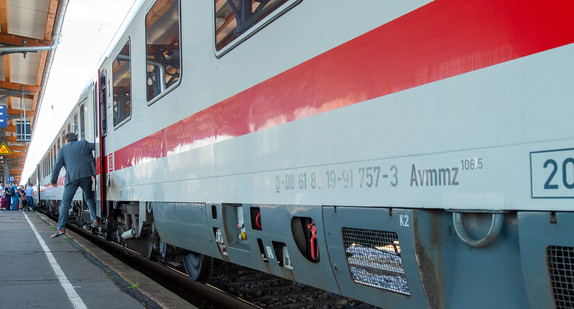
37	271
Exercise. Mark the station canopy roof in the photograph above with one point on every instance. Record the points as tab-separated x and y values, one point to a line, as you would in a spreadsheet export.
29	33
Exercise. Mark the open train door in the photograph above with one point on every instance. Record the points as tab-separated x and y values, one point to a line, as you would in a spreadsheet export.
101	160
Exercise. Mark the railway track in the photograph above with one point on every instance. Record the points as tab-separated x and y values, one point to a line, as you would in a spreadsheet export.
268	291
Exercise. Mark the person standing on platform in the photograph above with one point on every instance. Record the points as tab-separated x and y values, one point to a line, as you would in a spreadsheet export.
21	197
8	197
2	201
14	194
29	197
2	198
76	156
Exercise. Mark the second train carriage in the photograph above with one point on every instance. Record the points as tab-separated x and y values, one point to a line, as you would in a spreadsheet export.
406	154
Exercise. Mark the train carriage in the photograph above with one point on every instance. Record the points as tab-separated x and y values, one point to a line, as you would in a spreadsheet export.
411	154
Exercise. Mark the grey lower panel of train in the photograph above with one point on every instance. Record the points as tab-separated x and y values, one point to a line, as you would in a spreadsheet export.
387	256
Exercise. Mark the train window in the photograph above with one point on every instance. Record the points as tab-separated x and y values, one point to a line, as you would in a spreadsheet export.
236	20
163	63
122	86
103	100
75	124
51	161
82	121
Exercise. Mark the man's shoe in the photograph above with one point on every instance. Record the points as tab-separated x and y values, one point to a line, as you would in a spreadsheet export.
96	224
59	233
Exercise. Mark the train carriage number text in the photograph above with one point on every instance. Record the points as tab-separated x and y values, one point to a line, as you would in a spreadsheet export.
567	168
552	173
359	178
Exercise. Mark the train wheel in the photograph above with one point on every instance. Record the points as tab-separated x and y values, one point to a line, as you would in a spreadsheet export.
197	266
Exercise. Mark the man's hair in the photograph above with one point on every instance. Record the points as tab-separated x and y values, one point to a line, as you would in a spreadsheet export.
71	137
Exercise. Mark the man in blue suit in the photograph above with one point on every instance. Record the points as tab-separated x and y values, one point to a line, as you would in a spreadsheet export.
76	156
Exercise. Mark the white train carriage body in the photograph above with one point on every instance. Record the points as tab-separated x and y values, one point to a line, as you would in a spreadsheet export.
336	138
443	118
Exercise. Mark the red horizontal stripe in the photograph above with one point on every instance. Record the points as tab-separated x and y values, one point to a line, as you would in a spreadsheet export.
440	40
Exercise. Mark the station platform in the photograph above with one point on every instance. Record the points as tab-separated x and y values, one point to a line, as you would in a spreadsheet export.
37	271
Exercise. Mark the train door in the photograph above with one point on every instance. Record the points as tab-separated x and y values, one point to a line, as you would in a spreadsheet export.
102	164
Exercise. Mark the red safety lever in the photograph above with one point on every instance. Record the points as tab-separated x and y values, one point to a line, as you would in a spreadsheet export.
313	241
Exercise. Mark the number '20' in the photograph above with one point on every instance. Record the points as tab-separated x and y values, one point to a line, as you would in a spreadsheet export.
566	165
